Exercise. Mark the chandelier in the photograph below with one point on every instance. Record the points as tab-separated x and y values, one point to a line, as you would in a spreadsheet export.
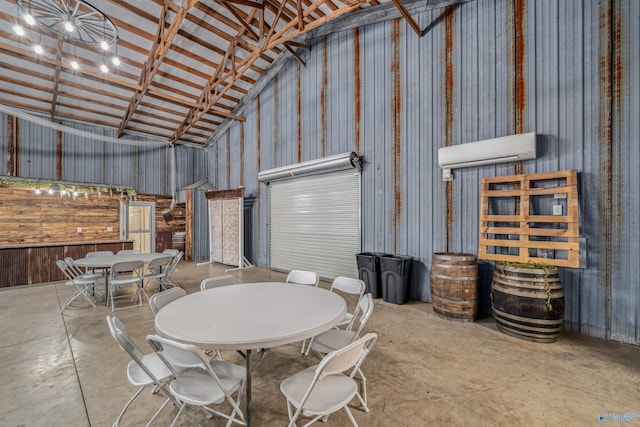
75	21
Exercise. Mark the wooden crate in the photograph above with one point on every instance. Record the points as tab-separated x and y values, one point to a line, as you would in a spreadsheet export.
525	235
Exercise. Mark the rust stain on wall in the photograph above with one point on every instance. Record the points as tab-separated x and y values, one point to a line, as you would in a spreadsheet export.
59	155
396	130
258	185
357	75
228	159
520	46
276	118
299	111
605	133
11	144
242	154
448	91
323	95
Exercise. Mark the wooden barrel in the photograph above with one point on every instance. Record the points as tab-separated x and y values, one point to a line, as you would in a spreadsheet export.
454	285
521	305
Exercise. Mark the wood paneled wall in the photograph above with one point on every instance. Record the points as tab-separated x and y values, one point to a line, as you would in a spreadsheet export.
28	218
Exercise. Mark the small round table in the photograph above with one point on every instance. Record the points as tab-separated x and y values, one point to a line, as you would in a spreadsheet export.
105	262
250	316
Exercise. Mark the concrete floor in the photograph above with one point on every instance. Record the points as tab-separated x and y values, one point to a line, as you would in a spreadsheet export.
66	370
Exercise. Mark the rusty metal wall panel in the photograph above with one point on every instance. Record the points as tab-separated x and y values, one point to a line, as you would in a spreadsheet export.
37	150
483	69
3	143
625	178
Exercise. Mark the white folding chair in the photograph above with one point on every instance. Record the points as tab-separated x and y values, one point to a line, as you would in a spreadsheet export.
172	252
323	389
172	267
303	277
83	286
127	273
347	285
203	387
78	273
178	357
217	281
97	253
128	251
144	370
334	339
157	269
160	299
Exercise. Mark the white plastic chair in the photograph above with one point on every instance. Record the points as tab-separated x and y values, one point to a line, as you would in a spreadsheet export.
98	253
321	390
217	281
128	251
83	286
85	275
127	273
334	339
172	267
160	299
172	252
301	277
144	370
351	286
203	387
176	356
157	269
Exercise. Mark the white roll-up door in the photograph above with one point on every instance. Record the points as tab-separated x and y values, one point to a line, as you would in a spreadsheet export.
315	223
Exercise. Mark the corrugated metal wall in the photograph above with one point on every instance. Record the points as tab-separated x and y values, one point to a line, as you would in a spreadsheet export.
567	70
48	154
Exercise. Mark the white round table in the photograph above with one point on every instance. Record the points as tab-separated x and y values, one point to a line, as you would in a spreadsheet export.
250	316
106	261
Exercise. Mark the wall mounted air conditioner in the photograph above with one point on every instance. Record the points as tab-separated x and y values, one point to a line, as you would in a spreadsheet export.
504	149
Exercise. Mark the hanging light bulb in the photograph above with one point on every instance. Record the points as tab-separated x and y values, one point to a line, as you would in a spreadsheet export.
74	64
18	30
38	49
29	19
38	191
50	191
104	45
116	60
104	68
63	192
68	27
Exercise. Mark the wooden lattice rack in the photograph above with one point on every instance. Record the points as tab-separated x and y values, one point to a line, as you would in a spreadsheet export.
538	237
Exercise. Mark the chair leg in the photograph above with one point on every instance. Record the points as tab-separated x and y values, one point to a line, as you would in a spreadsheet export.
350	415
126	406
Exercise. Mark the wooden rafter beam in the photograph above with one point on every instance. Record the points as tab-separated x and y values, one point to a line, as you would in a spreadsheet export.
273	25
238	15
164	40
249	3
299	7
56	78
412	22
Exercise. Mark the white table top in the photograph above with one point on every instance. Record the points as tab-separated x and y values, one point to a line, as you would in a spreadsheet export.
105	261
250	315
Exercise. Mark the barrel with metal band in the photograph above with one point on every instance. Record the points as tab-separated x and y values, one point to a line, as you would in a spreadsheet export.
454	285
528	303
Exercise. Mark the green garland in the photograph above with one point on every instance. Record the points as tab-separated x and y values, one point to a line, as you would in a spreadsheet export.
71	187
533	266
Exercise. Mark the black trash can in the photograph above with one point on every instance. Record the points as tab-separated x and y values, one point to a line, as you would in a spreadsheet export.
369	272
395	275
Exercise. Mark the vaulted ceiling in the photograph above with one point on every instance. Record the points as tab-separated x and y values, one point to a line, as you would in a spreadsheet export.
183	69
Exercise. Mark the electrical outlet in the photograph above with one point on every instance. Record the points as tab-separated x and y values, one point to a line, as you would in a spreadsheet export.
79	229
557	209
109	229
